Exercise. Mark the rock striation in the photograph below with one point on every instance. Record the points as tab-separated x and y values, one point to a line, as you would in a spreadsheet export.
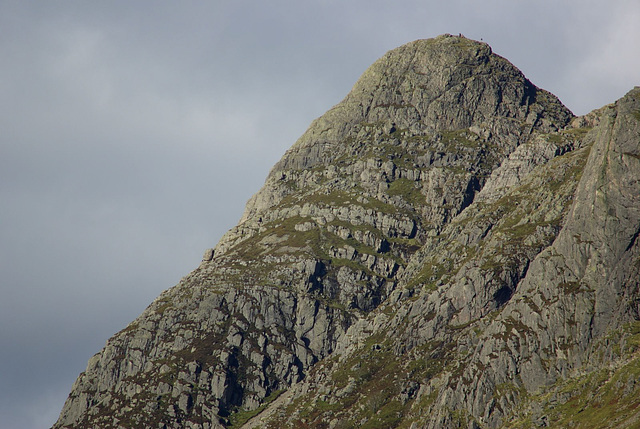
447	247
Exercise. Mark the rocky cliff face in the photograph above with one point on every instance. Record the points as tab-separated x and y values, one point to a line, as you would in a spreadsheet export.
447	247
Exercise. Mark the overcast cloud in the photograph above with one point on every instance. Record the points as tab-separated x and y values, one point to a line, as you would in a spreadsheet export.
134	133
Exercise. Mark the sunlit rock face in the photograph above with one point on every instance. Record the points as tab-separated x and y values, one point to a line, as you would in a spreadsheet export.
447	247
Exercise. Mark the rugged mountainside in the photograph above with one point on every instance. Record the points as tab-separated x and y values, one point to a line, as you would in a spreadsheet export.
447	247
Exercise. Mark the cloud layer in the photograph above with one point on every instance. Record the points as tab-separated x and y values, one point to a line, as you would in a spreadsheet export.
134	134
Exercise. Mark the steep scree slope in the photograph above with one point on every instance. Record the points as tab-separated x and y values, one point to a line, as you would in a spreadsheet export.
447	247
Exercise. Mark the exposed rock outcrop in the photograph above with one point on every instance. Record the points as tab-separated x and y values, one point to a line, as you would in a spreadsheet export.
447	247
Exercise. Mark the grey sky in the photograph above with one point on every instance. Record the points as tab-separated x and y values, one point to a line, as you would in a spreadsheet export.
134	132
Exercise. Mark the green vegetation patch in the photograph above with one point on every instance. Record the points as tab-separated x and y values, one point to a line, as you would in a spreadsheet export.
457	139
407	190
240	417
163	304
430	273
600	398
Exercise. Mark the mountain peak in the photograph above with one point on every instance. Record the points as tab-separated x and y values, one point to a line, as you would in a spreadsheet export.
445	83
435	251
423	89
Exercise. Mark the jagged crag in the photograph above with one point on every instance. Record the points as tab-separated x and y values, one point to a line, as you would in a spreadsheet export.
447	247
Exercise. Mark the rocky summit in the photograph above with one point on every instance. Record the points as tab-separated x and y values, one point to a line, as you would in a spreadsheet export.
448	247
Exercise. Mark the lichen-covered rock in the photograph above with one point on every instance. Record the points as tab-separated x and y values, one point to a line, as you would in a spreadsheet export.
438	250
